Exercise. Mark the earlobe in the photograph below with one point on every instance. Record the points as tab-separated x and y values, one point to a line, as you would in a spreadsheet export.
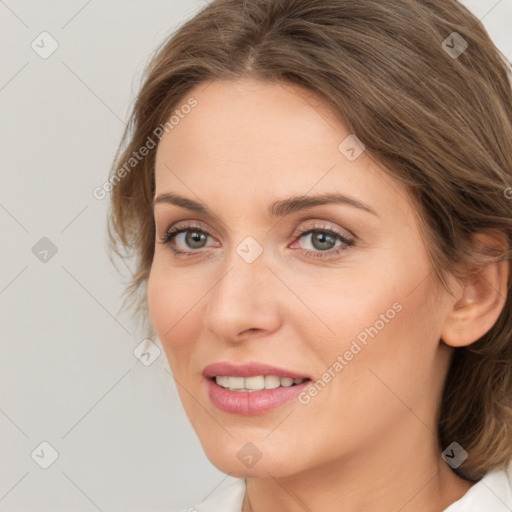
477	303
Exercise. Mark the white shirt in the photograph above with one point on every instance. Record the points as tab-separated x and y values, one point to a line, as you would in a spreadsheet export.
493	493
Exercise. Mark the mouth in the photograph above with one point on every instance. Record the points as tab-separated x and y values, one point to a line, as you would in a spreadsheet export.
256	383
252	388
250	395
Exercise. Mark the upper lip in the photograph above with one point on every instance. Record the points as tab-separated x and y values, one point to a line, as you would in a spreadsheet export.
251	369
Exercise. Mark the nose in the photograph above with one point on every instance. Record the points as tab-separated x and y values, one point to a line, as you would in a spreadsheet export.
245	301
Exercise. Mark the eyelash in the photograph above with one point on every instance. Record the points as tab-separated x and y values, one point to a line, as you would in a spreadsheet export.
184	227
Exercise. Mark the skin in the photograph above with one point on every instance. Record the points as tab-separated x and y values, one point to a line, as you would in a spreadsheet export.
367	440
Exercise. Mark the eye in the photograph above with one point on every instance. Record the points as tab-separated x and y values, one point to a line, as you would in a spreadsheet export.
189	236
322	240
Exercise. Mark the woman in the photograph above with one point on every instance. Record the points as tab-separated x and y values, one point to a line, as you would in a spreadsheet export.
317	193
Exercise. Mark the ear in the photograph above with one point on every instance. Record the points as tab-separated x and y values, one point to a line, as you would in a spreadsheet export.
479	300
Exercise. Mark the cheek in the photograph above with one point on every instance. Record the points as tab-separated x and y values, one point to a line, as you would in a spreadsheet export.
171	301
160	301
386	337
375	313
348	301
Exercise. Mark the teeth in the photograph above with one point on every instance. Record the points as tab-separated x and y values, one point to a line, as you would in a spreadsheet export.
256	383
286	382
272	382
253	383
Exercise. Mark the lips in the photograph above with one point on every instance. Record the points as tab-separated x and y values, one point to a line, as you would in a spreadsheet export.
227	387
251	403
249	370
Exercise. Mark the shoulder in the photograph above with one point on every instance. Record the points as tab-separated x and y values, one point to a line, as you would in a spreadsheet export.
227	499
493	493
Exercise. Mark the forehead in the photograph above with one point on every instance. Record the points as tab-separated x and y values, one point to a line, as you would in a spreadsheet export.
253	112
249	140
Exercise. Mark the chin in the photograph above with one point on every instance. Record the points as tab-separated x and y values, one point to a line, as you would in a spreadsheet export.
247	461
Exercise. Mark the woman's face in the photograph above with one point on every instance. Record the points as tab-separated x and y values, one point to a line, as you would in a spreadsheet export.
340	292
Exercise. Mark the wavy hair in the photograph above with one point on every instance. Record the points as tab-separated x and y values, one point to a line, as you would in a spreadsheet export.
436	113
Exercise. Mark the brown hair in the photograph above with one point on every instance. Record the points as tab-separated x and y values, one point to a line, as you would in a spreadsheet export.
440	122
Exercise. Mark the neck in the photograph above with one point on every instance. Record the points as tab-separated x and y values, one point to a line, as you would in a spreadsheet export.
403	473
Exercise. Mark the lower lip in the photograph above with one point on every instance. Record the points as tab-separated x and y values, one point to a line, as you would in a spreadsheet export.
256	402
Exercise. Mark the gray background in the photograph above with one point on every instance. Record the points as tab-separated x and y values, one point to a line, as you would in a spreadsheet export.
68	373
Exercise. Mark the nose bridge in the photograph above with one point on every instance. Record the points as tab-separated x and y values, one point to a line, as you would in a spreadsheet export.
241	298
245	268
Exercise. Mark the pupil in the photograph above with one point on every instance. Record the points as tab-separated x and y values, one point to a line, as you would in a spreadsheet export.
322	238
193	237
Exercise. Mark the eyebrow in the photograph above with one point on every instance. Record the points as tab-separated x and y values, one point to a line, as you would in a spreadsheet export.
276	209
